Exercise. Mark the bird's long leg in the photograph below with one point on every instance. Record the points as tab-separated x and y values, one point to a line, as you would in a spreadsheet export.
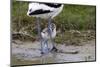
45	46
50	32
39	33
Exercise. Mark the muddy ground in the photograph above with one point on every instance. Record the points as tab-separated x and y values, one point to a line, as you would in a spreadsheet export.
24	53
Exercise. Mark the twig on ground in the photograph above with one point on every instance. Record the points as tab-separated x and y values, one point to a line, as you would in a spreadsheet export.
23	33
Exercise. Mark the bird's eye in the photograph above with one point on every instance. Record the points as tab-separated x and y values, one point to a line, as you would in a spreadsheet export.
43	32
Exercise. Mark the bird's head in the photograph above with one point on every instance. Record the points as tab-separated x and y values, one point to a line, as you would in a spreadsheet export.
53	26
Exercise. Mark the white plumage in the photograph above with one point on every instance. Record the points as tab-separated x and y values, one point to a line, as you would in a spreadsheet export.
45	33
44	10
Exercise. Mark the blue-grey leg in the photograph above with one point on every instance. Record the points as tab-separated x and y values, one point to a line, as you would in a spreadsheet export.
45	46
39	33
46	42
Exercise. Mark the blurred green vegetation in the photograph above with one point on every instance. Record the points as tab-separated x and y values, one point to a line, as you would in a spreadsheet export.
73	17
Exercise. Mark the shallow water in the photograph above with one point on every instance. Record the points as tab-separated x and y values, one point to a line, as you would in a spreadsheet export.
29	53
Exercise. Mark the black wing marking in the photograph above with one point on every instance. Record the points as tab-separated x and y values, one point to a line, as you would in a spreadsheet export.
40	11
52	5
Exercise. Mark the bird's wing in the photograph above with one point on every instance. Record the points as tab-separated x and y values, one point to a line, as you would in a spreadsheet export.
42	6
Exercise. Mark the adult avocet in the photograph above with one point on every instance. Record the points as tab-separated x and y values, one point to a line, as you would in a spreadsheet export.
44	11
